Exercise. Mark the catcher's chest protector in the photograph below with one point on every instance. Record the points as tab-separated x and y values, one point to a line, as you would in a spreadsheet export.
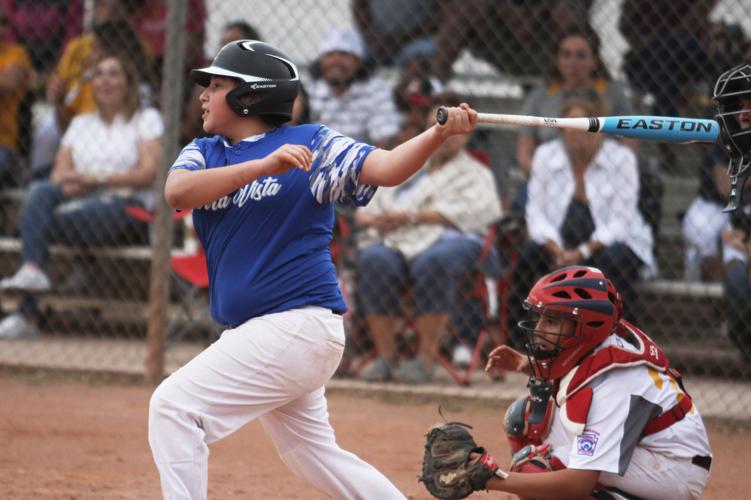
574	397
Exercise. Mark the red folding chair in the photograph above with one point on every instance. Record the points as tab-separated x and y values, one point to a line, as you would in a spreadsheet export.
191	279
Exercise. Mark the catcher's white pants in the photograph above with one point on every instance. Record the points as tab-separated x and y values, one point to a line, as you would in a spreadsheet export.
652	475
272	367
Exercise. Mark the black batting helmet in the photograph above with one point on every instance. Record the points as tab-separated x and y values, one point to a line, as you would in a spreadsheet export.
731	87
263	71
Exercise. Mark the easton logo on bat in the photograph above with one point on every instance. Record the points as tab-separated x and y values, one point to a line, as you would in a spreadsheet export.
549	120
663	124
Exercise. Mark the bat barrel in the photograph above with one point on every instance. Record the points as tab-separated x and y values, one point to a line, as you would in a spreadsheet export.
661	128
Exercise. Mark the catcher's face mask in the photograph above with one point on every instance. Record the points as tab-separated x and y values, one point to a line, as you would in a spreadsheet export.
549	333
732	93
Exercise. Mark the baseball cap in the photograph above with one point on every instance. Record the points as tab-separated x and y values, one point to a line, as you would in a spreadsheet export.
344	40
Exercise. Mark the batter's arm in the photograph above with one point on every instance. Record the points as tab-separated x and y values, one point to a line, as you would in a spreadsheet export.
187	189
390	168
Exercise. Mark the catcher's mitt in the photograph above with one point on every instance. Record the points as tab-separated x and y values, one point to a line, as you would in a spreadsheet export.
448	469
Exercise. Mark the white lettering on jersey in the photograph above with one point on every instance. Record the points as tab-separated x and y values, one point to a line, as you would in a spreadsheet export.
255	191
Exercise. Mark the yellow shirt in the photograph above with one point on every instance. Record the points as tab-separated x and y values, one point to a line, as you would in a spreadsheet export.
76	70
11	54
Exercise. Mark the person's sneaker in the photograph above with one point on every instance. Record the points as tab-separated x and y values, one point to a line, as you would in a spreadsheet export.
28	278
413	372
15	326
377	371
462	356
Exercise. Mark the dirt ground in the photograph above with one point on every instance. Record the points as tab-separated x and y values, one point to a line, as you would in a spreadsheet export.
77	440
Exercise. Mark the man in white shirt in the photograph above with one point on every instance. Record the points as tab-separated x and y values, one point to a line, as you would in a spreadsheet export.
345	97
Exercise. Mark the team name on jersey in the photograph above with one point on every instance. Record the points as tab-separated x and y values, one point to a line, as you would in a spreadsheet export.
254	191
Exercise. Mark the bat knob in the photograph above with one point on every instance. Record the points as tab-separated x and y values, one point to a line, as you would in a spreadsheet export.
442	115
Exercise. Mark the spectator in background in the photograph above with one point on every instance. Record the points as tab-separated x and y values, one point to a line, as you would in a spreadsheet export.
424	234
704	220
578	72
192	124
583	209
345	97
518	38
108	159
395	30
149	20
43	27
301	108
736	238
238	30
69	89
413	95
15	70
668	42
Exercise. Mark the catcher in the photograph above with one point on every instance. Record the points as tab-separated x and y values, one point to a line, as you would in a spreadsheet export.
606	416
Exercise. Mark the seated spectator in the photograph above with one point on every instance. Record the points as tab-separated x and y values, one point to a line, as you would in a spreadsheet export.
518	38
44	27
582	209
736	238
578	72
668	42
108	160
238	30
69	89
424	235
414	97
149	20
15	71
396	30
301	108
345	97
704	220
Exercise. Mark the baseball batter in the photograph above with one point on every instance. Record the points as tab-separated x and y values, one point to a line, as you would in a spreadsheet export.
263	195
606	416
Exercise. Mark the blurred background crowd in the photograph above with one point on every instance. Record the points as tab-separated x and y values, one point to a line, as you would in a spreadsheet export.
434	271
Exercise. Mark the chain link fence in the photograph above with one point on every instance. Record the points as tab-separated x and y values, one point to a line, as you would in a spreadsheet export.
96	101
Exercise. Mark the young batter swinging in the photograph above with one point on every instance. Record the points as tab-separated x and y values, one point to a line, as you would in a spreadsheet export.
263	196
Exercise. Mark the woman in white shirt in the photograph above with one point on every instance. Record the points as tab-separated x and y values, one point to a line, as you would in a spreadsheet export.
108	160
583	209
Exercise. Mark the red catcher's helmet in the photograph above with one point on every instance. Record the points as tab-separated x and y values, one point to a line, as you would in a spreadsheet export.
577	293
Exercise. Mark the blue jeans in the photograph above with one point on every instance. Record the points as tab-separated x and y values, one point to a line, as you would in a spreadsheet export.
383	273
47	216
738	296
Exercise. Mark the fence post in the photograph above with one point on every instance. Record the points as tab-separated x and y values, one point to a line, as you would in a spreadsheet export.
171	104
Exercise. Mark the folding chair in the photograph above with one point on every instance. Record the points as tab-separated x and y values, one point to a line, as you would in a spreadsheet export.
191	279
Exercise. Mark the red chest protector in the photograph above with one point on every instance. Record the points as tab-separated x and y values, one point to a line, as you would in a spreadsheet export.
574	396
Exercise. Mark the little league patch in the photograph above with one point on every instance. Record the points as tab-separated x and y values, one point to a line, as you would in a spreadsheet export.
587	442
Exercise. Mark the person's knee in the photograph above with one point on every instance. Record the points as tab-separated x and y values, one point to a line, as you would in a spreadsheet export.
737	286
160	404
378	260
42	188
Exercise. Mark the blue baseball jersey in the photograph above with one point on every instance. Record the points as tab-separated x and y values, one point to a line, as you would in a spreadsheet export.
267	244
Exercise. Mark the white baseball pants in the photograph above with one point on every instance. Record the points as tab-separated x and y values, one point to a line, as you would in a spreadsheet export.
652	475
271	367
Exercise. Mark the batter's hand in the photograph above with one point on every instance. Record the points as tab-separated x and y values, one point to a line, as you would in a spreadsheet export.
509	359
461	120
287	157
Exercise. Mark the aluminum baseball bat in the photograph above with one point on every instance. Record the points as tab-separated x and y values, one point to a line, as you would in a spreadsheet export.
654	128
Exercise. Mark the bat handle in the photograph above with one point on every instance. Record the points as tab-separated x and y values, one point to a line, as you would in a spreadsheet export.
442	115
